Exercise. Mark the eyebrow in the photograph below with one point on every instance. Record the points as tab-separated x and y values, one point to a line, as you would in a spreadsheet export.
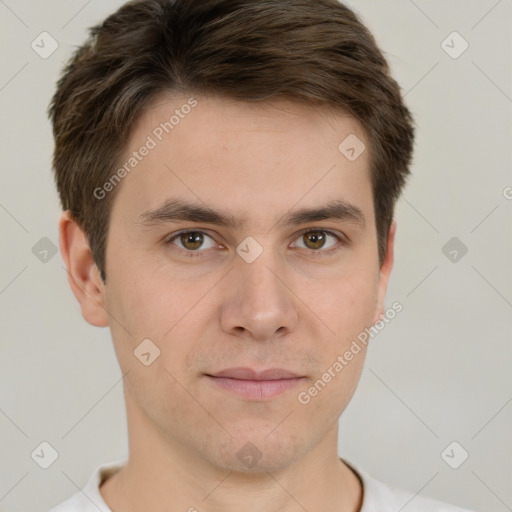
179	210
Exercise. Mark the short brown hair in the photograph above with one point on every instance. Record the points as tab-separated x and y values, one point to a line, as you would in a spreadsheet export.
314	52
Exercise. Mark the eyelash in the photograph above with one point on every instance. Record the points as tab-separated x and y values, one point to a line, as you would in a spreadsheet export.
198	254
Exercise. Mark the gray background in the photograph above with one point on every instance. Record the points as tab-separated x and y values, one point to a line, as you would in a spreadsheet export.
439	372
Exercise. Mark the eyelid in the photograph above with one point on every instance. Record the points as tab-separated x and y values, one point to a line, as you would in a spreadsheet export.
340	236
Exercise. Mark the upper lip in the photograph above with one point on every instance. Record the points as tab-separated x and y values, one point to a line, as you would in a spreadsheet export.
243	373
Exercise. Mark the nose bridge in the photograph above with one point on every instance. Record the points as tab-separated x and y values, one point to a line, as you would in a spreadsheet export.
259	278
258	275
260	302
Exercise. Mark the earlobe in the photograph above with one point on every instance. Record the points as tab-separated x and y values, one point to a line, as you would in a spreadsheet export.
385	272
83	274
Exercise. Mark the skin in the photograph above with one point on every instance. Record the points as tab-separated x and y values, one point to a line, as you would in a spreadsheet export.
295	307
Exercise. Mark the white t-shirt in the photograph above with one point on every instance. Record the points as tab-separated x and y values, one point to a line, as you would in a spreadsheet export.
377	496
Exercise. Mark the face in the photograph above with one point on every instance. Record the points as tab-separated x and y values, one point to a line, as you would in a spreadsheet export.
253	281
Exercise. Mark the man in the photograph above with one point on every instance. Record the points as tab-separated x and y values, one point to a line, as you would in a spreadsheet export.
228	172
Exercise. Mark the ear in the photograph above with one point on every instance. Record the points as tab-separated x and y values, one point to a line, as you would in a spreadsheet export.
384	273
83	274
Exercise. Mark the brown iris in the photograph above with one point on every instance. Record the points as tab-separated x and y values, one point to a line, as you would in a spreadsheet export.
314	239
192	240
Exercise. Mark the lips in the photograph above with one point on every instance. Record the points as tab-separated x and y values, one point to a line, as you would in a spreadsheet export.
252	385
243	373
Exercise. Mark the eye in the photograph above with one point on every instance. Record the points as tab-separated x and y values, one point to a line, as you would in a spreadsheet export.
317	239
191	241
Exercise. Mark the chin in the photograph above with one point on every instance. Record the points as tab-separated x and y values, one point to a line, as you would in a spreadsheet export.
256	452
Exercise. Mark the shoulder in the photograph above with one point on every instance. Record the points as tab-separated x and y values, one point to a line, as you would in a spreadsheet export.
77	503
89	498
380	497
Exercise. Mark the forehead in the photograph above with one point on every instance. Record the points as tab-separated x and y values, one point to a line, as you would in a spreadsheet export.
250	157
167	112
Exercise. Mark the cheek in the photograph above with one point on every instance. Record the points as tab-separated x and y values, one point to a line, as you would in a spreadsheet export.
326	396
170	312
148	306
348	306
345	303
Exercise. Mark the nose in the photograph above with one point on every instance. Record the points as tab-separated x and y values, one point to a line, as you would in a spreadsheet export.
259	303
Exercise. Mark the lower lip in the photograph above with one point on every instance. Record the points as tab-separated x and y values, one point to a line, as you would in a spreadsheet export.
256	389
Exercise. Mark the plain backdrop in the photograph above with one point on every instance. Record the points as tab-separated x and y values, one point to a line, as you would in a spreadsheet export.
439	373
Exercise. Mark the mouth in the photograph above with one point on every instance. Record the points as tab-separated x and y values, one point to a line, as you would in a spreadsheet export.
254	385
